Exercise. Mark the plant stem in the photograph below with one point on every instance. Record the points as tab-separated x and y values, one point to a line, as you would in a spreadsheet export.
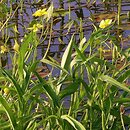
49	40
122	121
8	18
103	116
35	49
119	12
91	118
69	10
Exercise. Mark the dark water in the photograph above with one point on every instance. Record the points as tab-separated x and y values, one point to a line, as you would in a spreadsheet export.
82	9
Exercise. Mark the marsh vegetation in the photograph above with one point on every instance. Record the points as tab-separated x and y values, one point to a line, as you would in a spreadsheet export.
64	65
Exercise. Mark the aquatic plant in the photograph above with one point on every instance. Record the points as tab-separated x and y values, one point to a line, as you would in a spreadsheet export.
90	91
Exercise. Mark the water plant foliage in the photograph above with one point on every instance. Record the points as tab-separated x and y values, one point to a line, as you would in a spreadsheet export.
82	86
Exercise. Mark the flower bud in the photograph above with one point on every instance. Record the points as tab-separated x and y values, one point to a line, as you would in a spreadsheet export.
6	91
3	49
16	46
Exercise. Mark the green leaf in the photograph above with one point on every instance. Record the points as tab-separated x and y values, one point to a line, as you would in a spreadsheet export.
77	125
124	75
114	82
9	112
23	51
48	89
16	85
54	64
5	125
91	40
60	12
26	80
122	100
80	54
100	88
82	42
69	25
66	58
70	89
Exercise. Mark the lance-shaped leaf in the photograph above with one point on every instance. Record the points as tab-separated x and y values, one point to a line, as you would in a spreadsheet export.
66	58
23	51
114	82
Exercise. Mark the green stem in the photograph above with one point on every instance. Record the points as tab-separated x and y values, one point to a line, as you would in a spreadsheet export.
0	61
11	15
69	11
91	118
103	117
81	69
49	40
122	121
81	29
119	11
35	49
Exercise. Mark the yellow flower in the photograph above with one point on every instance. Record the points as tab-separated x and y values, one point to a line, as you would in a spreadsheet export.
3	49
6	91
35	27
16	46
40	12
105	23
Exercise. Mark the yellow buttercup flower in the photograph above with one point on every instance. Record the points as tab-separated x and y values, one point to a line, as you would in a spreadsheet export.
40	12
105	23
3	49
35	27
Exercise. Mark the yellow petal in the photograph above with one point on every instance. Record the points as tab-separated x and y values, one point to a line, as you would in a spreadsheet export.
108	21
105	23
102	24
40	12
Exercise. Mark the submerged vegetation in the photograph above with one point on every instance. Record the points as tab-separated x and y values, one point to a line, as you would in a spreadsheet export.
84	87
